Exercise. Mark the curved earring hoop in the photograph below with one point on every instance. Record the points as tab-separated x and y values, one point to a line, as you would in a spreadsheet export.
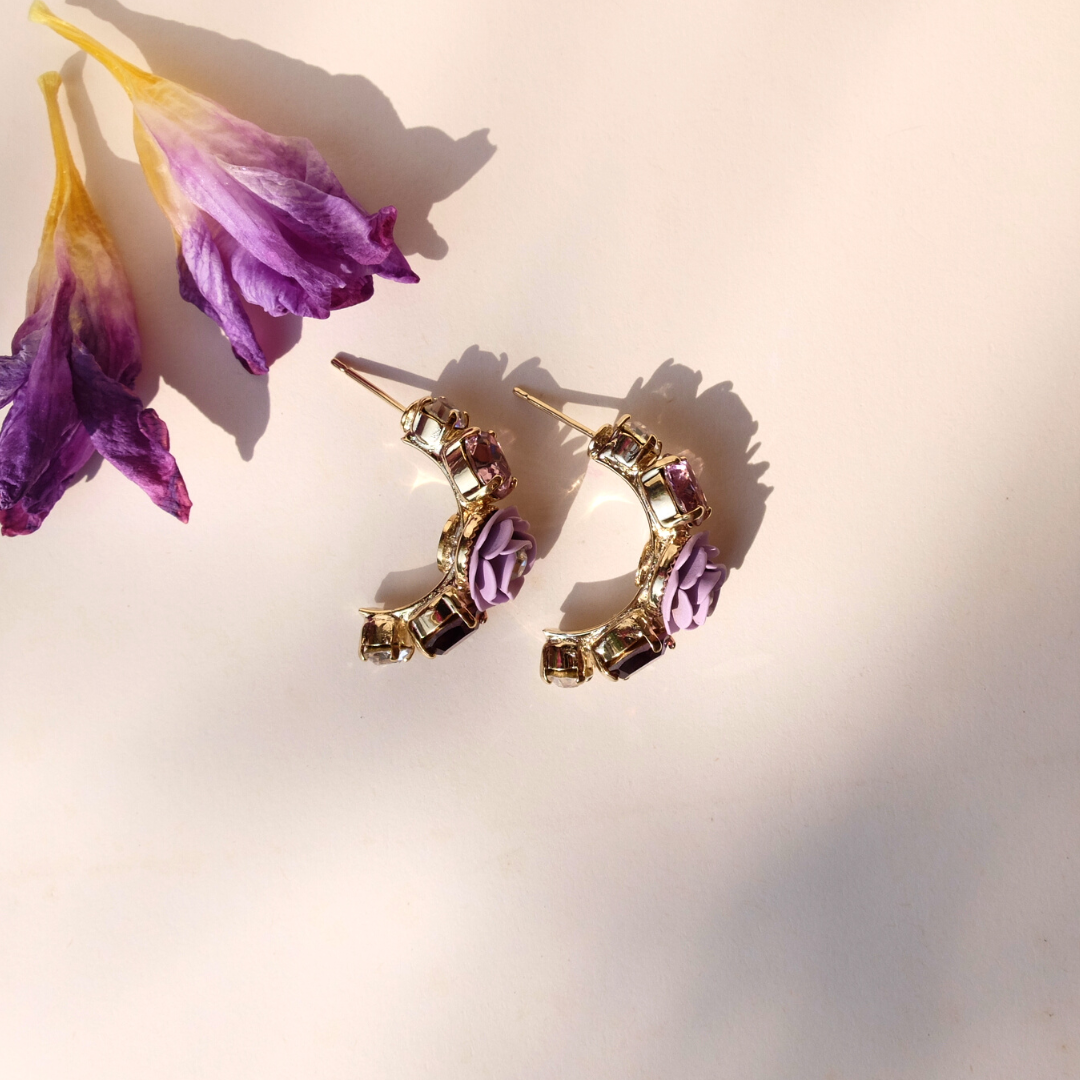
484	551
678	577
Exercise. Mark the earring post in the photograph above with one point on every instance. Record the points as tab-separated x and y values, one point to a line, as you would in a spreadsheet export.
354	374
554	412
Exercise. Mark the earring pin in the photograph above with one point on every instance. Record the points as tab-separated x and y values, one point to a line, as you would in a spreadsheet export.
679	574
354	374
554	412
484	551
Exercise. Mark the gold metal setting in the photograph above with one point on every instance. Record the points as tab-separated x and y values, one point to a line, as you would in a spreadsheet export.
473	463
674	505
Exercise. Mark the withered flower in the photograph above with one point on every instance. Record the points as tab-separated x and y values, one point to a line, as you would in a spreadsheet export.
73	365
255	215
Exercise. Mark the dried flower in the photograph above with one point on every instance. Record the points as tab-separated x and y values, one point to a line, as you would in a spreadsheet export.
73	364
255	215
693	585
503	554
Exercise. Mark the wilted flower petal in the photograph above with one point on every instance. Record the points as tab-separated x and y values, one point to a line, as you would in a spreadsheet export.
73	363
255	215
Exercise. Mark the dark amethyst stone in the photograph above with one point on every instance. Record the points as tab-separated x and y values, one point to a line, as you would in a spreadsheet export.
448	635
626	648
440	627
634	660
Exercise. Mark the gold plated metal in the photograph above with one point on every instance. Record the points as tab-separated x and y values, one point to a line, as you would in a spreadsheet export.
354	374
674	505
479	476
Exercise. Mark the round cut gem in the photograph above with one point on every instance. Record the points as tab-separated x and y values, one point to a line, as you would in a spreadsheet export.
488	462
683	485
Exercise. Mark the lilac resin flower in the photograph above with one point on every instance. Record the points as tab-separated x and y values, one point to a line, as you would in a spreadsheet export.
255	215
73	363
503	554
693	585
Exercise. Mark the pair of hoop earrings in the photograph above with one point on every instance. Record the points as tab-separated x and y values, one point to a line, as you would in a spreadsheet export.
485	550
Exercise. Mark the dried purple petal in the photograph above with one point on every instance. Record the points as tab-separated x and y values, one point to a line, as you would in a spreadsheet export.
73	364
501	557
255	215
693	585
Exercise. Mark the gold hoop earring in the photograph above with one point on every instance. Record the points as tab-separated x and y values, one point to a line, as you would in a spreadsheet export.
484	552
679	575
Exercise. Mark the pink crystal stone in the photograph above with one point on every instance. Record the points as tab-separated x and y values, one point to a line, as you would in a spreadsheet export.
683	486
489	462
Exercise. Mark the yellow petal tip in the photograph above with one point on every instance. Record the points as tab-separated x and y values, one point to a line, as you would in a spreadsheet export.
127	74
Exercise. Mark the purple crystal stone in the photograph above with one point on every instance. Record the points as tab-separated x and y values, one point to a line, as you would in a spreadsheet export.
693	585
640	655
627	648
683	485
440	627
448	635
488	461
501	557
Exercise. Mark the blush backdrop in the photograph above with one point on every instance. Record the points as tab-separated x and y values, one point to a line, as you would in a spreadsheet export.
833	250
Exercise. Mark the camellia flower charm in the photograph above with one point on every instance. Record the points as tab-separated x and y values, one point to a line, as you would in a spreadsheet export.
255	215
73	364
679	575
484	552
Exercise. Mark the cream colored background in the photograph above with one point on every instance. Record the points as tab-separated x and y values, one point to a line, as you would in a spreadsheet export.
835	834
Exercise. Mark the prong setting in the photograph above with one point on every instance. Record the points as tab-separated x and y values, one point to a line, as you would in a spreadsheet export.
674	505
473	463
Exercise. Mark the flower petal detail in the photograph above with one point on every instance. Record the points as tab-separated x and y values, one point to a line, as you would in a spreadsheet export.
286	235
74	361
42	417
693	585
206	282
131	437
26	515
14	371
501	557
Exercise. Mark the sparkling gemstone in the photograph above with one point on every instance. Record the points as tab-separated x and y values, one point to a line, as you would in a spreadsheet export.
626	443
626	648
624	448
488	462
448	635
683	486
440	627
434	421
382	641
521	562
632	661
562	664
444	412
381	654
